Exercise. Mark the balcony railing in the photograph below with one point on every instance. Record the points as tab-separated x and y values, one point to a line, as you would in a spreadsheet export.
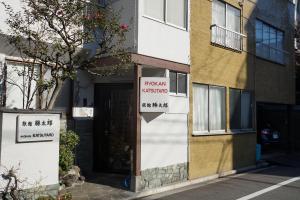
227	38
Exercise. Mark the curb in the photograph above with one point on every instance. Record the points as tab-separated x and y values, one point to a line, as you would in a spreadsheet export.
179	187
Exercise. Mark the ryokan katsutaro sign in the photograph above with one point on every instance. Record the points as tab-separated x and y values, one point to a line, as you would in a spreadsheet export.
37	128
154	94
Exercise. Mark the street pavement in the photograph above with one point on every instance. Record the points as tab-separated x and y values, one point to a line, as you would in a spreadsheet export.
278	182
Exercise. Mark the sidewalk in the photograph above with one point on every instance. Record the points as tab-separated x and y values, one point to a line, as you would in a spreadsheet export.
291	160
109	186
101	186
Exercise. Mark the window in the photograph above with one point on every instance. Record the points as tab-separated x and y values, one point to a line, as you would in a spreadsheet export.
155	9
102	2
169	11
178	83
226	25
240	109
269	42
208	109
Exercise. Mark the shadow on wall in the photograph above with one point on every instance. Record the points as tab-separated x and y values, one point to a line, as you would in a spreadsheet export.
268	80
148	117
239	70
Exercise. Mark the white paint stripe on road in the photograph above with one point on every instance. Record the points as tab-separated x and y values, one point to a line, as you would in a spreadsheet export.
278	185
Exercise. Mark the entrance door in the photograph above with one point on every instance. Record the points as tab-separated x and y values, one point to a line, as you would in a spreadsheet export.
113	126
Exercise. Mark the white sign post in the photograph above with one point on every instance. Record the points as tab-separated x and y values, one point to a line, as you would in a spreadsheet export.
154	94
37	128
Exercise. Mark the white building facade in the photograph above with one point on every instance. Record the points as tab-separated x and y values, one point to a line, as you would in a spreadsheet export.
151	147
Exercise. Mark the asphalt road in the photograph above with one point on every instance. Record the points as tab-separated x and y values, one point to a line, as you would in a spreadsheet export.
273	183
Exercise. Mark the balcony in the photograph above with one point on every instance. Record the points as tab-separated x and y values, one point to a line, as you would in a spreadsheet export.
226	38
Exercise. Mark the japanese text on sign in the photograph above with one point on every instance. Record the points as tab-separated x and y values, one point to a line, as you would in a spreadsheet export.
35	128
154	94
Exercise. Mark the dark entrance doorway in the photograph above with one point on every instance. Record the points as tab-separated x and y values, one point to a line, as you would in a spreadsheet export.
273	120
113	127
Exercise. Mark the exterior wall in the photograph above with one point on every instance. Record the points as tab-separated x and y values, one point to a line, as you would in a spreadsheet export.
127	9
159	40
164	141
215	65
216	154
276	83
272	82
10	55
37	161
84	84
165	136
161	176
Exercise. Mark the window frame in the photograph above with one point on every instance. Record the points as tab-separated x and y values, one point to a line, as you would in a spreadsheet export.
164	21
225	42
269	57
226	8
209	132
241	91
177	93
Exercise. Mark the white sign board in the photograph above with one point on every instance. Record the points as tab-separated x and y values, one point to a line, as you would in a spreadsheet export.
154	94
37	128
84	112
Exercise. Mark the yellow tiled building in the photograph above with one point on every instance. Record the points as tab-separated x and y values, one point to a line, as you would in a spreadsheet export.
241	54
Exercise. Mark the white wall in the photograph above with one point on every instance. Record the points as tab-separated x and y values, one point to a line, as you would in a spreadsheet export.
178	105
164	136
164	140
83	89
163	41
38	160
84	84
16	5
14	95
128	15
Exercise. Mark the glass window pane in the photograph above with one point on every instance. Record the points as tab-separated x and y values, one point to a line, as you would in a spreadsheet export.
182	83
266	34
154	8
173	82
233	23
266	41
273	45
279	40
246	117
218	13
216	108
280	54
235	109
272	37
200	107
233	17
176	12
259	38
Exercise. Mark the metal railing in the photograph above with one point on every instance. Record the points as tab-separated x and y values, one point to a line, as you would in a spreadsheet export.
227	38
